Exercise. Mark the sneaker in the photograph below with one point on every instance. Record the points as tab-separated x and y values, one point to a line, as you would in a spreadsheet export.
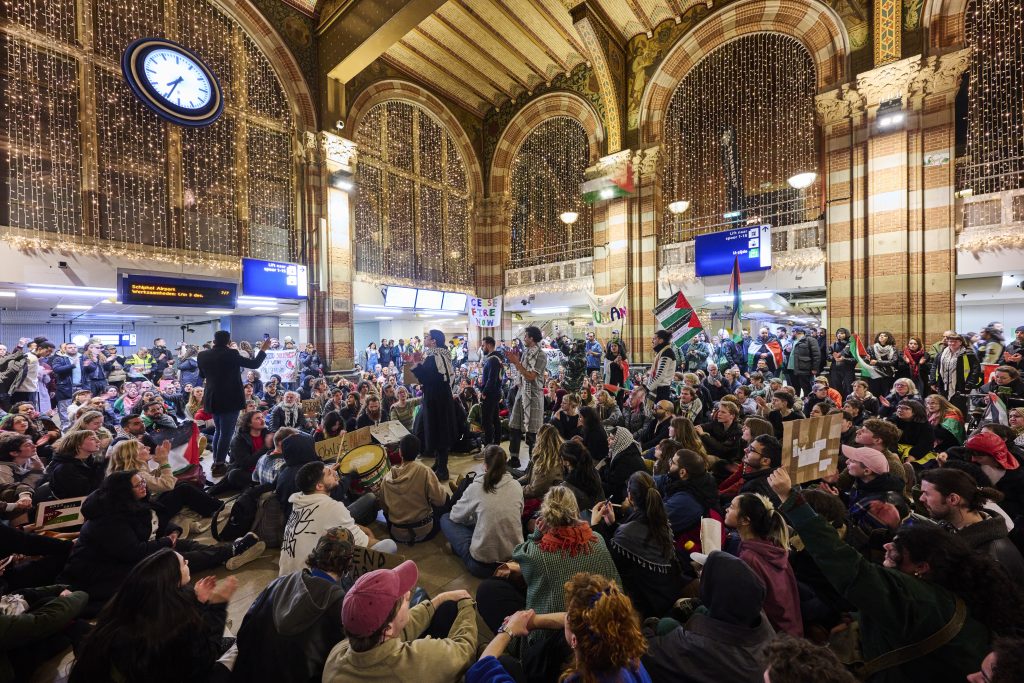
514	463
245	550
218	469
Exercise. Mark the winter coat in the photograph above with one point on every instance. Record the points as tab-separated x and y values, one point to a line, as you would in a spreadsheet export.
782	597
727	643
724	443
289	630
188	372
63	369
968	372
279	418
617	471
221	369
296	450
686	500
70	477
989	536
436	426
243	454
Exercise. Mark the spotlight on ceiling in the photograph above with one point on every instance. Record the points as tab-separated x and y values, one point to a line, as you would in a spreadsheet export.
890	114
801	181
679	206
569	217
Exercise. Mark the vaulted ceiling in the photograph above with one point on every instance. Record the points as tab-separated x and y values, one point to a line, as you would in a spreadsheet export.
482	53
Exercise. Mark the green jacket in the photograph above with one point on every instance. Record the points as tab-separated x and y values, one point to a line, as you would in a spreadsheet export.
896	609
42	622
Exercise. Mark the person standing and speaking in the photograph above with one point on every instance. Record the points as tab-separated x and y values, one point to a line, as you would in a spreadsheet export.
221	368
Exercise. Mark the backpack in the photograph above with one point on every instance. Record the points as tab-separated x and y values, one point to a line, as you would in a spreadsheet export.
13	368
270	520
243	515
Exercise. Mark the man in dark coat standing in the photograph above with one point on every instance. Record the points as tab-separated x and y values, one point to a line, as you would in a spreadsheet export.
803	361
490	394
435	425
224	398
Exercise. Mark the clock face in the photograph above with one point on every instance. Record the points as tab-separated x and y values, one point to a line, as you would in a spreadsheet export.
177	78
173	82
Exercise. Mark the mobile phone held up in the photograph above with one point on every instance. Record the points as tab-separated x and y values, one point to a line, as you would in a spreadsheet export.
266	336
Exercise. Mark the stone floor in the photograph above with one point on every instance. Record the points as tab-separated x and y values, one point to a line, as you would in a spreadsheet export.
439	571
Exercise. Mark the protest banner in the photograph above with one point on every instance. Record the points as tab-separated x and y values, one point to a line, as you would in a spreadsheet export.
810	448
283	363
312	406
60	514
485	312
608	309
334	448
366	560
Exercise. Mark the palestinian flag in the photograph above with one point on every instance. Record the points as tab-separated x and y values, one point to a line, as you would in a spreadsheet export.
757	347
996	411
184	446
736	326
860	355
676	315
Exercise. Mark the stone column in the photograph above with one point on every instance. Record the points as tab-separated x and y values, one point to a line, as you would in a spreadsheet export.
491	248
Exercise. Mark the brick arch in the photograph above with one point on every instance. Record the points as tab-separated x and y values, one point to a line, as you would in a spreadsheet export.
944	23
544	108
395	89
281	60
816	26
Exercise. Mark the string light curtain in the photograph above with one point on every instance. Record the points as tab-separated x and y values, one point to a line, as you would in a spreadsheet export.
756	94
89	167
546	175
412	204
995	97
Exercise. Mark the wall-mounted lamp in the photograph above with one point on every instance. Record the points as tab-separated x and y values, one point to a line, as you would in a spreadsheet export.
802	181
890	114
679	206
569	217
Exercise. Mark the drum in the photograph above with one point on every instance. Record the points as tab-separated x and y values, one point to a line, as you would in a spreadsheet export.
369	462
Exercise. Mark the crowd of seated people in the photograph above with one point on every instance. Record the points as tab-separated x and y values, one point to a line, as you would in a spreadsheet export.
591	554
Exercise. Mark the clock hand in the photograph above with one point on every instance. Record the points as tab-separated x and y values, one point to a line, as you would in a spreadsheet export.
174	84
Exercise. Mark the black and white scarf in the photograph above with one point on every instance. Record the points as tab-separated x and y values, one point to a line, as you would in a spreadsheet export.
443	362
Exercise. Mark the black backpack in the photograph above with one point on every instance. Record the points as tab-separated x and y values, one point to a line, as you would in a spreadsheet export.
13	368
244	514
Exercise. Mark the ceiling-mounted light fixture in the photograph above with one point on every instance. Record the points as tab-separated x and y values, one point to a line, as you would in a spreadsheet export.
679	206
890	114
569	217
801	181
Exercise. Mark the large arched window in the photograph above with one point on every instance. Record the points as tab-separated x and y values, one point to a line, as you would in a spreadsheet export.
86	165
995	103
739	125
413	205
546	175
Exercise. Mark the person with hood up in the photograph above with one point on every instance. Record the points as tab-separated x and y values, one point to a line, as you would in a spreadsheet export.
726	643
764	545
291	627
990	452
296	450
623	460
313	512
435	425
841	374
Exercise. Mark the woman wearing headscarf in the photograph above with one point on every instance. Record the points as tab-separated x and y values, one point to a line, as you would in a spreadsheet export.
623	460
435	425
841	374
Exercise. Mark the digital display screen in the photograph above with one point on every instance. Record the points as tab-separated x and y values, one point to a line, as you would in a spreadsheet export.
400	297
155	290
429	299
454	301
275	279
107	339
714	254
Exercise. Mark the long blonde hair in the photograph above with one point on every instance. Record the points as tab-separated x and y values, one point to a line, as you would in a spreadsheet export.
545	456
125	457
194	403
84	417
686	435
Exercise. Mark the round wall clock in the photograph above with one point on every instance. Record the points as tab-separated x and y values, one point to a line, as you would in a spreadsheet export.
172	81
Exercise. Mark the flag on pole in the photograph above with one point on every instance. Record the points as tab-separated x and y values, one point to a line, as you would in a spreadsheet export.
996	411
860	355
676	315
737	308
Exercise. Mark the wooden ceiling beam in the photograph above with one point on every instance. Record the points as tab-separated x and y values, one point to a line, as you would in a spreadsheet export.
541	45
557	25
677	7
453	96
445	70
486	53
461	60
641	16
498	38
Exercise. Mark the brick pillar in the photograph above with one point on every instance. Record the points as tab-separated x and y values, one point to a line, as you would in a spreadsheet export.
336	279
889	225
491	249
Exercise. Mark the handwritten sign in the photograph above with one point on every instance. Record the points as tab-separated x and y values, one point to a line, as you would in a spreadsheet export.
390	432
334	448
282	363
608	309
60	514
366	560
810	448
312	406
485	312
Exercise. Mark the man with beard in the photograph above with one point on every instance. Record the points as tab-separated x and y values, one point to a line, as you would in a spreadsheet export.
371	415
688	491
663	367
762	457
490	394
528	411
435	425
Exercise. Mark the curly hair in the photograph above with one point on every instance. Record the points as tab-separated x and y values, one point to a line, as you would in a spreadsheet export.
606	627
559	508
1009	660
980	581
795	660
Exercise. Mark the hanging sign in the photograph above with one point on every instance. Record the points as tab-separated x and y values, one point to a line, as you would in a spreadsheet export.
485	312
608	309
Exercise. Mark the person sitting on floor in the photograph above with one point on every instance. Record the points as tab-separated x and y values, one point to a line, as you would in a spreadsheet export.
410	494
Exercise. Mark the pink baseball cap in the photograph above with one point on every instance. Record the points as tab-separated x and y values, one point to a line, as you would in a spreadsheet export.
369	602
869	457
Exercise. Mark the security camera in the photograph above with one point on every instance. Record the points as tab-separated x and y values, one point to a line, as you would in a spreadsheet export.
62	265
339	125
523	301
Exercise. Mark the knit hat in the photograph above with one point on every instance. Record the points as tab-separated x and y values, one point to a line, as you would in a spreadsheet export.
990	444
622	438
869	457
1020	329
369	602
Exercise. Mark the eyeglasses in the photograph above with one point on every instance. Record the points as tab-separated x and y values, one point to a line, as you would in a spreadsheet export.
140	485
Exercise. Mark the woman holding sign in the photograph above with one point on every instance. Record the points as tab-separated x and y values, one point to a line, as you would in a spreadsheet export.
435	425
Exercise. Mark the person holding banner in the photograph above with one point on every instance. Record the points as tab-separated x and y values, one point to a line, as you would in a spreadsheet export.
436	424
224	398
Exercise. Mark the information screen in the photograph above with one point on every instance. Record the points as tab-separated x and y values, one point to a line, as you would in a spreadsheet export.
155	290
714	253
454	301
274	279
107	339
429	299
400	297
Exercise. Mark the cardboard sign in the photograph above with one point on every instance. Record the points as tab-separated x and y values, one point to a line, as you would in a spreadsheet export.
334	448
390	432
312	406
810	447
282	363
485	312
408	378
60	514
366	560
